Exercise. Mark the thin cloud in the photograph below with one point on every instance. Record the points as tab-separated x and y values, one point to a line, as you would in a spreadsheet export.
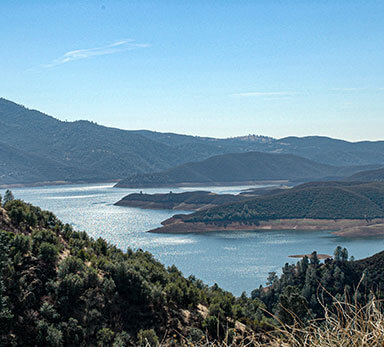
261	94
353	89
79	54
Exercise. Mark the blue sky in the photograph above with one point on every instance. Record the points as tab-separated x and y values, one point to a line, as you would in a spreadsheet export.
212	68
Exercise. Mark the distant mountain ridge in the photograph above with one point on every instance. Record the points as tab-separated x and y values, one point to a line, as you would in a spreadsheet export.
368	176
83	150
239	168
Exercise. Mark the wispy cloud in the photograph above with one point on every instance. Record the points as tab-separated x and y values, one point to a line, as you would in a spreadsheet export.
353	89
79	54
261	94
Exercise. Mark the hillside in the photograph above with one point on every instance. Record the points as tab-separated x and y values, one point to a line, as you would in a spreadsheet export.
368	176
84	150
323	205
322	200
332	151
59	287
318	148
237	168
311	284
19	166
179	201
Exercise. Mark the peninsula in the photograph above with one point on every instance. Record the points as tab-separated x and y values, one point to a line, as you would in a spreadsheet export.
348	208
195	200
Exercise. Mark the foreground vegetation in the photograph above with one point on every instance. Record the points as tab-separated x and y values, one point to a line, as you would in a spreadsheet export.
59	287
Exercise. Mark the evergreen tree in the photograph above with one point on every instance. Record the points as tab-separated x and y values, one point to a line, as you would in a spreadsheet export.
272	277
8	196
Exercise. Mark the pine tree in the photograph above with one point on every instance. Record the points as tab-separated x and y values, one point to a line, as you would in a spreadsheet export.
8	196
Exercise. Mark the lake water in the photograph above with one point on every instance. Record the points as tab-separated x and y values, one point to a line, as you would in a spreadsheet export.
237	261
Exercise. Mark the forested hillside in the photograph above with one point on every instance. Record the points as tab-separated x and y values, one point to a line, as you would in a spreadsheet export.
82	150
368	176
179	201
322	200
59	287
305	288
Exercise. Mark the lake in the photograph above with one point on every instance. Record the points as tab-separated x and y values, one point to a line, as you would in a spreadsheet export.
237	261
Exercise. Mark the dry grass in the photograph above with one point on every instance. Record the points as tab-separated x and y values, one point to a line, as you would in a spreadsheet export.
345	325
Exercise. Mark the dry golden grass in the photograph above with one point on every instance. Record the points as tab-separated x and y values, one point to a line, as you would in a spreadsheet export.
345	325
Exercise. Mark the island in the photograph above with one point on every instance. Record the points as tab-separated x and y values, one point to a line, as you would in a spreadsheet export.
351	209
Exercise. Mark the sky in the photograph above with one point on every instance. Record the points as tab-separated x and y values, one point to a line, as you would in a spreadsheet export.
217	68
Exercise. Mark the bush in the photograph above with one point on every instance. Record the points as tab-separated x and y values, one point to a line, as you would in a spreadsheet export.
48	253
147	337
105	337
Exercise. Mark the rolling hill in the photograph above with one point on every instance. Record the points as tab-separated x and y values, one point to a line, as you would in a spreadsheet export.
237	168
368	176
179	201
83	150
312	206
319	200
18	166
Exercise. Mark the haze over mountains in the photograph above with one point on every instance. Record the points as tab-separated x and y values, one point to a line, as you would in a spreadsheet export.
35	147
368	176
240	168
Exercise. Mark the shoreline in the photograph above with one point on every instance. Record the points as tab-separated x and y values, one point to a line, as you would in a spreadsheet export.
341	227
202	184
160	206
52	183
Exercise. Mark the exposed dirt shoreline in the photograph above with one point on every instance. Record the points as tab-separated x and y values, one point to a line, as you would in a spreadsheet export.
340	227
150	205
52	183
319	256
199	184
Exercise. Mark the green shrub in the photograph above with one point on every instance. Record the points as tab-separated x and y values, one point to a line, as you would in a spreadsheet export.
147	337
48	253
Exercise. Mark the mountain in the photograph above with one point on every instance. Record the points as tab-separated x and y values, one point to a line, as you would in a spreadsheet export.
237	168
318	148
368	176
338	206
83	150
18	166
333	151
